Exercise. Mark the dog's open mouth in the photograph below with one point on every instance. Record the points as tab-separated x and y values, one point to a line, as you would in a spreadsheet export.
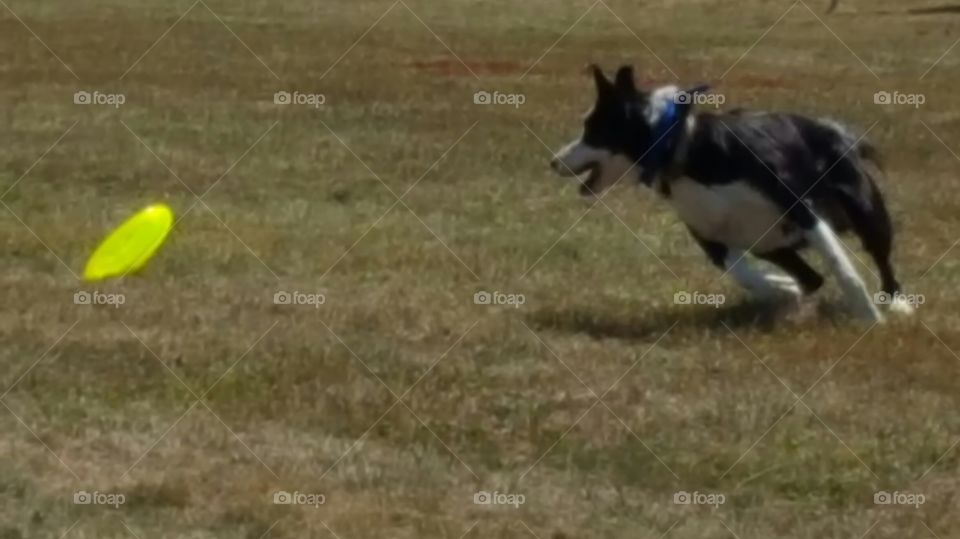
589	184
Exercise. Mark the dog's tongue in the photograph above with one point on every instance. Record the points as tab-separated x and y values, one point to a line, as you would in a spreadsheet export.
588	186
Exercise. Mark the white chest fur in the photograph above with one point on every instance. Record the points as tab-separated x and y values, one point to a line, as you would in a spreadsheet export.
734	214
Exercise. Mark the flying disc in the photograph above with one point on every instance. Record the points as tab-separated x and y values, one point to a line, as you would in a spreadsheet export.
131	244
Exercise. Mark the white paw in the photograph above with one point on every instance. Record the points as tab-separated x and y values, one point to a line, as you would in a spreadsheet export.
777	287
901	306
790	288
781	281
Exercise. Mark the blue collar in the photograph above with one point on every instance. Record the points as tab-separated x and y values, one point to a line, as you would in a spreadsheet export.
666	136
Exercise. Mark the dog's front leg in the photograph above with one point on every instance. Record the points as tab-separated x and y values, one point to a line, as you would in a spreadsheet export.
760	283
824	240
763	284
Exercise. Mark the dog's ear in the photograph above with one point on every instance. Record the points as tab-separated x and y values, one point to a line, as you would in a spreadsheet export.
624	80
603	84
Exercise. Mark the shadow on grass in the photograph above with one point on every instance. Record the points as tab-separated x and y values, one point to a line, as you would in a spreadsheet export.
948	9
937	10
652	323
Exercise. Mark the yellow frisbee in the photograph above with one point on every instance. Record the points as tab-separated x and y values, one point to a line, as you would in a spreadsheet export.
131	244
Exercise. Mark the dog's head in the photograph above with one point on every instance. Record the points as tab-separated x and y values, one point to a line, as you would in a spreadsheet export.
628	132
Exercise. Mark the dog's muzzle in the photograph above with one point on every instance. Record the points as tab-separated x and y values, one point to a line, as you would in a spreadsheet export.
556	165
563	169
581	161
588	174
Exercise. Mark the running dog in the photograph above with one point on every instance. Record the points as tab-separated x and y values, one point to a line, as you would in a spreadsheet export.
745	183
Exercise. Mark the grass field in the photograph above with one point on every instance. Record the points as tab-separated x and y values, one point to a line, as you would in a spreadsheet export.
399	399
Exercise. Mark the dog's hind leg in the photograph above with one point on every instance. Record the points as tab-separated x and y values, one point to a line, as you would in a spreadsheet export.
826	242
820	235
871	222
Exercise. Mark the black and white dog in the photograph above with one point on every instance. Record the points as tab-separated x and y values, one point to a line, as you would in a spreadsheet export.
766	184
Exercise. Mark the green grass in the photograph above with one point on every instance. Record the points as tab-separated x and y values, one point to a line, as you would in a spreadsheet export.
502	399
